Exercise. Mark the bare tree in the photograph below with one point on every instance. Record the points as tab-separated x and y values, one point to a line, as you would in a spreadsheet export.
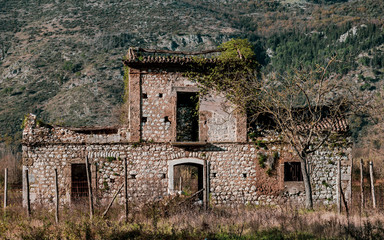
305	107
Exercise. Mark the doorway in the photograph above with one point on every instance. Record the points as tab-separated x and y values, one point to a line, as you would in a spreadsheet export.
188	179
79	183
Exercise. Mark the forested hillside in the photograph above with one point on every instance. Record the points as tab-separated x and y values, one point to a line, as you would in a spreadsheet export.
61	59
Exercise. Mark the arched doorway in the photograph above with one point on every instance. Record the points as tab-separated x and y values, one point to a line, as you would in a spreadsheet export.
187	175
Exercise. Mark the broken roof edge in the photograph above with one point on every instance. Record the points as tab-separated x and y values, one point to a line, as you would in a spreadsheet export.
131	51
31	121
134	59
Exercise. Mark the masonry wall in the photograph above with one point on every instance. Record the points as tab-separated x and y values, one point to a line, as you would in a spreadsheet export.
323	170
235	173
218	120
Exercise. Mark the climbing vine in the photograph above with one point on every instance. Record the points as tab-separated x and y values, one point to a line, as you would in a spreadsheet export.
229	73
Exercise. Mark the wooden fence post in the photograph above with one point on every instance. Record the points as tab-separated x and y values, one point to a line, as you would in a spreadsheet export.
372	184
208	181
338	186
205	195
96	185
57	197
126	189
350	186
113	199
90	196
5	188
28	193
362	184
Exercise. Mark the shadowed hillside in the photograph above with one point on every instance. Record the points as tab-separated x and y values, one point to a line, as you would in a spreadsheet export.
62	59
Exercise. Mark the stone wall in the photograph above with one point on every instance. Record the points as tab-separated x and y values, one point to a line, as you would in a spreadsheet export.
158	96
323	169
34	133
238	171
236	175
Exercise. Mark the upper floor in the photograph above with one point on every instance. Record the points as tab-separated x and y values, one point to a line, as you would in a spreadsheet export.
166	106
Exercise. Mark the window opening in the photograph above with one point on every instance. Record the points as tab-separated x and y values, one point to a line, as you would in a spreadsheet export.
79	183
145	96
144	119
187	118
292	171
160	95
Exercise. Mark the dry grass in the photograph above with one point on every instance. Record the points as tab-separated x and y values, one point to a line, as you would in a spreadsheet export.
169	221
12	161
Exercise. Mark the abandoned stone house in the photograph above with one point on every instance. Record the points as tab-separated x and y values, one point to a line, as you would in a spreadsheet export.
170	146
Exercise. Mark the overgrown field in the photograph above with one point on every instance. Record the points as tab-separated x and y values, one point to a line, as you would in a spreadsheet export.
158	221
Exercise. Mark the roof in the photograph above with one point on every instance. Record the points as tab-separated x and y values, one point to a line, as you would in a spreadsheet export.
339	124
140	57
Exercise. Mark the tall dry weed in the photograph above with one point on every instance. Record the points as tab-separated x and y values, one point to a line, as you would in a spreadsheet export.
187	221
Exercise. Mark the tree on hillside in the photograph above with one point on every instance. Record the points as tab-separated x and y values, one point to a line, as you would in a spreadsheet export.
306	108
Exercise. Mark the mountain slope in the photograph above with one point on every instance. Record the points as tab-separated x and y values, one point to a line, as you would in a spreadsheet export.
61	59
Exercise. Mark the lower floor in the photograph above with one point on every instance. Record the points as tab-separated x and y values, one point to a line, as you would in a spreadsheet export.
222	173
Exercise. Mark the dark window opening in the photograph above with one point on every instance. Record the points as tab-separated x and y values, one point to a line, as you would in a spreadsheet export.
292	171
187	118
79	183
163	176
145	96
144	119
257	125
244	175
112	180
133	176
188	178
95	130
160	95
166	119
214	174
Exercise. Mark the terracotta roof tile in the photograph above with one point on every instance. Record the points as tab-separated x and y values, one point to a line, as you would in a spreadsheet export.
142	56
337	125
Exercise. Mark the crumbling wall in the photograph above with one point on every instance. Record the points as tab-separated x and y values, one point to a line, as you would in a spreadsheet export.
323	170
237	175
220	119
217	119
36	132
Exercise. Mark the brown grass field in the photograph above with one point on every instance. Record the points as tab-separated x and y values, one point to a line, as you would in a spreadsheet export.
169	220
